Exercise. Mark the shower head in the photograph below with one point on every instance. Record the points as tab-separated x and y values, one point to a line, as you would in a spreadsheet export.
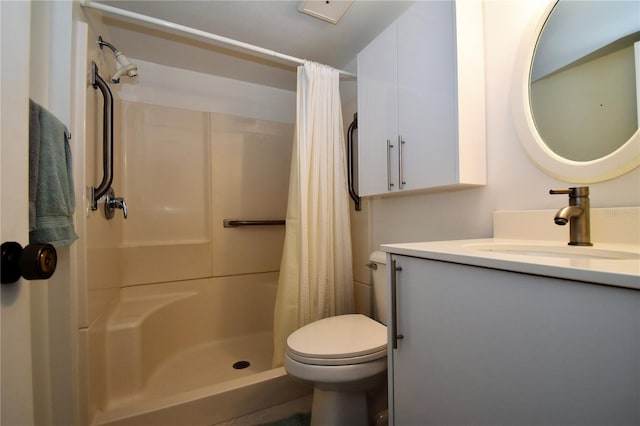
123	64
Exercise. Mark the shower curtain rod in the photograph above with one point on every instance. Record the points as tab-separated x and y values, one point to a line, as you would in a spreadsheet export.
173	27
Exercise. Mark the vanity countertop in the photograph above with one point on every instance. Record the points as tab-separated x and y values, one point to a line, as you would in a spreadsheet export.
546	258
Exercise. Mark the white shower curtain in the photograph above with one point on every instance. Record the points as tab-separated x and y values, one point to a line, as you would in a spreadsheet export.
316	277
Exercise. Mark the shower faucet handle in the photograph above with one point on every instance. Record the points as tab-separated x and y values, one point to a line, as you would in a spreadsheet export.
112	202
119	203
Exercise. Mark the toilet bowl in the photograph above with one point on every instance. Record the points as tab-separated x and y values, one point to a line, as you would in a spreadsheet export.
342	357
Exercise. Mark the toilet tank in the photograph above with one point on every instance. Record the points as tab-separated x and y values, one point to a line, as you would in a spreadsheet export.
377	264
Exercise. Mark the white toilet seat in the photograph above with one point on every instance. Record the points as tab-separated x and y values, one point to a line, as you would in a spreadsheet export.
345	376
338	361
339	340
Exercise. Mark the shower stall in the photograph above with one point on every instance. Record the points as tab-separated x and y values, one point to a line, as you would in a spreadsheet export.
176	311
196	299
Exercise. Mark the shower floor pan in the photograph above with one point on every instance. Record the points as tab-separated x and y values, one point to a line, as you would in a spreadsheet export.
200	386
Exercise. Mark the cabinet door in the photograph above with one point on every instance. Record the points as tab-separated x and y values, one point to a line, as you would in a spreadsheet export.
408	373
483	346
427	95
378	115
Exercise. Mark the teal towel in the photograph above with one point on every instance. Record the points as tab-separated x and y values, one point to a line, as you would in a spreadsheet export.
51	196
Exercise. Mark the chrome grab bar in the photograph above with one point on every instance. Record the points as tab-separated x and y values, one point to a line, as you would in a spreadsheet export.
107	137
233	223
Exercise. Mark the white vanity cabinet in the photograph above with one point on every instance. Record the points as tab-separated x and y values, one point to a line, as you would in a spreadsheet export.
421	121
495	347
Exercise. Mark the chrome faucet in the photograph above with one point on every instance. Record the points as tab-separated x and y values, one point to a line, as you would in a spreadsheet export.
112	202
576	214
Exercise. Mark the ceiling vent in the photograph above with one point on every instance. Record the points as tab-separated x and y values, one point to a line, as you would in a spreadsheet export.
327	10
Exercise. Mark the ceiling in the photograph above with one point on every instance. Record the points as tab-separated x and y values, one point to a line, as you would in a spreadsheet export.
274	25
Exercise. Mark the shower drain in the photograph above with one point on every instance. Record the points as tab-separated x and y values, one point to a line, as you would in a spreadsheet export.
241	364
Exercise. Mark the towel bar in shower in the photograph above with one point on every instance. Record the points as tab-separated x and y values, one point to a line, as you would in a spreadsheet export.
232	223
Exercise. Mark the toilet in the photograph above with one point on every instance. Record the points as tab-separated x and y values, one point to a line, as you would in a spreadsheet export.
342	357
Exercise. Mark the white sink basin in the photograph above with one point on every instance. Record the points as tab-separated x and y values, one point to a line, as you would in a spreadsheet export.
549	250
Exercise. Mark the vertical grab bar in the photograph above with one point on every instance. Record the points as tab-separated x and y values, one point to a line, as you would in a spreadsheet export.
352	192
107	137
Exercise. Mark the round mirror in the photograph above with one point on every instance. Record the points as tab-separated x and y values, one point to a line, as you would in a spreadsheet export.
575	89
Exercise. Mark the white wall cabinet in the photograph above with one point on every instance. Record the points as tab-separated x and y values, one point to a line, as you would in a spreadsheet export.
421	121
484	346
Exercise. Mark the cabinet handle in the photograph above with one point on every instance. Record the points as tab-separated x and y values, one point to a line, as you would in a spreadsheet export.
401	181
394	311
389	183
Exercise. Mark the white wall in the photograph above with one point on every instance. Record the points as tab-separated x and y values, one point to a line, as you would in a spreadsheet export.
513	181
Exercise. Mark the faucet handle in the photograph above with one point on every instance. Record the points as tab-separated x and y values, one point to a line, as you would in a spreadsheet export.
112	202
559	191
119	203
573	192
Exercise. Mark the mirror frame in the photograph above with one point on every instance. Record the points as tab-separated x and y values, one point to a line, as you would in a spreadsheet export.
619	162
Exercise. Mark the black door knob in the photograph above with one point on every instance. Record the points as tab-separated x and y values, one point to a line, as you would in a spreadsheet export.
11	252
34	262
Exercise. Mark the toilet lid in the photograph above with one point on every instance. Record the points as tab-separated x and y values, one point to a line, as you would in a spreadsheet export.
352	337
